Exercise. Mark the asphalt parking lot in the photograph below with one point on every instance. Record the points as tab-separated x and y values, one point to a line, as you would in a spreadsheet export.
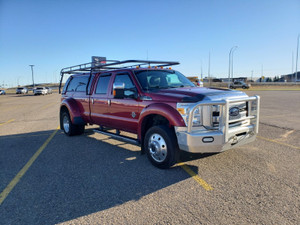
49	178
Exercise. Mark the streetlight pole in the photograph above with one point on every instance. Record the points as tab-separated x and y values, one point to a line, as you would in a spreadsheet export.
231	63
296	73
18	81
292	62
262	72
201	71
32	75
209	69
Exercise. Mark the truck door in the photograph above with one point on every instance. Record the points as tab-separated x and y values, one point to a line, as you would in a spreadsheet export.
124	113
99	102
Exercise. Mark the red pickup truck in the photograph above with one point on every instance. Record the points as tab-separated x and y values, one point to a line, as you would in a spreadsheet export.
166	111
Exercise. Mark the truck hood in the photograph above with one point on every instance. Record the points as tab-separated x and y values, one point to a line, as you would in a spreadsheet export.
195	94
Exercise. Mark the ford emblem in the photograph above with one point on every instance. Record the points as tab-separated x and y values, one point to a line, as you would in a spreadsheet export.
234	111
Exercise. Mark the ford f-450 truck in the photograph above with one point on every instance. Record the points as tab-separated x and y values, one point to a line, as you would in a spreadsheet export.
166	112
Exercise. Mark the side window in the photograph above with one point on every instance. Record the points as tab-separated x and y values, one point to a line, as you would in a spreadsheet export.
67	84
130	88
102	84
78	84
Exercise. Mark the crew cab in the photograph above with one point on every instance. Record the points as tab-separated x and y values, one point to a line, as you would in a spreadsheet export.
165	110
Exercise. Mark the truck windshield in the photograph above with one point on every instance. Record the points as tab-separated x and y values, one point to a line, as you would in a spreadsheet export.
162	79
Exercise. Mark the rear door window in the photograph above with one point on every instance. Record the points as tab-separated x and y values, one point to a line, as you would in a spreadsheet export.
102	85
78	84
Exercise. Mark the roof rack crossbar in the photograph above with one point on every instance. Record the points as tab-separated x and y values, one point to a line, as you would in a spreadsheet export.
110	65
89	66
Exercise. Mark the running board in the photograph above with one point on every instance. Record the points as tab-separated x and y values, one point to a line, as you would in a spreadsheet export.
119	137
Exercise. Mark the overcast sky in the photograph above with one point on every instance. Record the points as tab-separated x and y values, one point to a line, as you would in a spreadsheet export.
56	34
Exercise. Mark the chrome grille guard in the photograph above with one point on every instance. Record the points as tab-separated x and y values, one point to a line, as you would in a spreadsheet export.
252	115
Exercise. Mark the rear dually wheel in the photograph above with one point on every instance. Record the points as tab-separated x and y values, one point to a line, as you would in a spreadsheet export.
68	127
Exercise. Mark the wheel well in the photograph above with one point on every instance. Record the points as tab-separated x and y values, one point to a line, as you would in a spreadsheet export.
150	121
63	109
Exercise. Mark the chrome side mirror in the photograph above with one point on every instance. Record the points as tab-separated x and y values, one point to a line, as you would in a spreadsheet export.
118	90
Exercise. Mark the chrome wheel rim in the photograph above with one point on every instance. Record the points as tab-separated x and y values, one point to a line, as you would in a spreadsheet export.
66	124
157	147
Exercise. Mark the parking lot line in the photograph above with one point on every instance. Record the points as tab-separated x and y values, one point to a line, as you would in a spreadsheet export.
278	142
9	121
195	176
17	178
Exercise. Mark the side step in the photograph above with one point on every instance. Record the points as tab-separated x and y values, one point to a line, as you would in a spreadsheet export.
119	137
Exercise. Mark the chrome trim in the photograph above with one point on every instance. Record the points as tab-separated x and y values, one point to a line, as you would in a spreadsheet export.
224	114
119	137
158	148
66	123
194	107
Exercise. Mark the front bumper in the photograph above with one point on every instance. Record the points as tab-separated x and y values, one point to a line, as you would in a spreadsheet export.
213	141
225	137
39	92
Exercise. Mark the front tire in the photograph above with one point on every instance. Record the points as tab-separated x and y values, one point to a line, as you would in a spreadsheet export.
161	146
68	127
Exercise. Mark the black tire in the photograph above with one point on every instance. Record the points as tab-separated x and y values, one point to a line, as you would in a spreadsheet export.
161	146
68	127
244	87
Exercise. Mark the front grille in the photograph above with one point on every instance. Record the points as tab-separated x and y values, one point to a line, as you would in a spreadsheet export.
242	113
215	116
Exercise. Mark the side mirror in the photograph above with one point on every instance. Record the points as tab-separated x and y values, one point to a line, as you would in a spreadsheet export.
118	90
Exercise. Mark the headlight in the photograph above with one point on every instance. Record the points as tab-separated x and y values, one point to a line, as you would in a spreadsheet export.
184	110
197	117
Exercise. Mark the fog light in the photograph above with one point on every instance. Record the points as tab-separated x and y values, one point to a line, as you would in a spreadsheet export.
207	139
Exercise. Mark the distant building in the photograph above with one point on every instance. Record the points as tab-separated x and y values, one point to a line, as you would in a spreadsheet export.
290	77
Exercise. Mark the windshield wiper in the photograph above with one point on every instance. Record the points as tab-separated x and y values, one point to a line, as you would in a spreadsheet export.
159	87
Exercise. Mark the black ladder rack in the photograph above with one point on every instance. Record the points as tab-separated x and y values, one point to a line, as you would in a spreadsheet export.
110	65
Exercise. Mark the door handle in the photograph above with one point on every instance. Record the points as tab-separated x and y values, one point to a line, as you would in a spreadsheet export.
109	102
92	101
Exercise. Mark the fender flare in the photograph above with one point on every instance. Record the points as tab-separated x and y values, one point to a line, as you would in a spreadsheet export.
162	109
73	109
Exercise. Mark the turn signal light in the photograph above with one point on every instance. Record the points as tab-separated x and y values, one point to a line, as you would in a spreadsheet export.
181	110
